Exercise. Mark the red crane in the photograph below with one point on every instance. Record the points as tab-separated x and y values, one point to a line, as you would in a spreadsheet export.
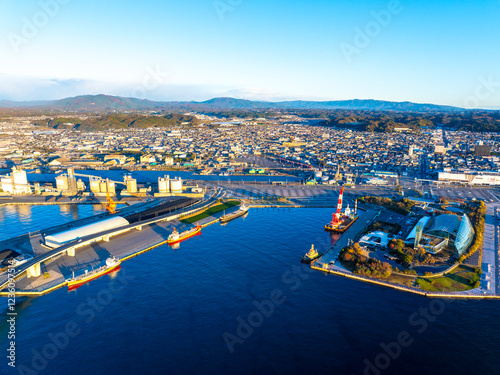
337	216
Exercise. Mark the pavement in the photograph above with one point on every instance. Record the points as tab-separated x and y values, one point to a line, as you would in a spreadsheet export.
350	234
490	249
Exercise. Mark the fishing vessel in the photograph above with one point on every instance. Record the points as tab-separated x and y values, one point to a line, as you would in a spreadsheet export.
341	221
111	265
176	237
311	255
226	218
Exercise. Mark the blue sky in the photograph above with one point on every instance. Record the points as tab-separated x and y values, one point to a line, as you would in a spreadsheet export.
423	51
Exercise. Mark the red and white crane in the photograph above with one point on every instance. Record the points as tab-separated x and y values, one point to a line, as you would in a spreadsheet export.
337	216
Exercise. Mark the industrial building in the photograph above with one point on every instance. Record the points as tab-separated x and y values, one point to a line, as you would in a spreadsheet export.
59	239
15	183
99	186
66	183
168	186
131	184
471	178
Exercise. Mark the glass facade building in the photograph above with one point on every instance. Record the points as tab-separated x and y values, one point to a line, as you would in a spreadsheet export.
464	236
460	231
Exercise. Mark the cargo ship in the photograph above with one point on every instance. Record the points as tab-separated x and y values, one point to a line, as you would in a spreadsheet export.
342	221
175	237
226	218
112	264
311	255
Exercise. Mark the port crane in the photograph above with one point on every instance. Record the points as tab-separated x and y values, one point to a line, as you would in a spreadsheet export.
111	206
336	216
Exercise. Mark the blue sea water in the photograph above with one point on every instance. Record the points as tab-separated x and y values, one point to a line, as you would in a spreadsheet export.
181	312
17	220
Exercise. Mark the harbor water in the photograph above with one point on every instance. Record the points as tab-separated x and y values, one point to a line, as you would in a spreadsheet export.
236	300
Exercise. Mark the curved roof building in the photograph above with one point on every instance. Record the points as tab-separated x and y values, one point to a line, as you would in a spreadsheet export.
62	238
459	230
464	236
446	225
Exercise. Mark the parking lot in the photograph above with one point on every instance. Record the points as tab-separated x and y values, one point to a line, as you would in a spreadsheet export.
487	195
407	223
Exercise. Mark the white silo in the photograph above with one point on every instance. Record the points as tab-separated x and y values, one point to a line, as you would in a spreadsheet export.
95	185
163	185
131	185
176	186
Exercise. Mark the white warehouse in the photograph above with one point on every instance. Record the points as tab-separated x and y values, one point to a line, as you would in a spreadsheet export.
59	239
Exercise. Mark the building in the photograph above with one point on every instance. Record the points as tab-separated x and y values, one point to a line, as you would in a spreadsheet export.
59	239
375	239
16	183
471	178
169	160
66	183
120	159
131	184
441	230
481	150
164	185
410	151
100	186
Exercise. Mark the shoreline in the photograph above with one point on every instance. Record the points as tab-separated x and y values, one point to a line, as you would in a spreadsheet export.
423	293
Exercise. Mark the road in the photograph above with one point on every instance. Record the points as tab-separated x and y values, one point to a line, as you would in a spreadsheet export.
490	249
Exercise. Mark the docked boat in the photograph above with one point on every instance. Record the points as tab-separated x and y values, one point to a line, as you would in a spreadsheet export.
112	264
311	255
226	218
176	237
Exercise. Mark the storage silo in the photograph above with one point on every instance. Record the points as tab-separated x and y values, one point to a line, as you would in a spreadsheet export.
163	185
176	186
95	185
103	186
110	186
62	183
131	185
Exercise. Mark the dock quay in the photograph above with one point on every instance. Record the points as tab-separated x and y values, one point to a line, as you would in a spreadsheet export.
49	270
329	264
474	294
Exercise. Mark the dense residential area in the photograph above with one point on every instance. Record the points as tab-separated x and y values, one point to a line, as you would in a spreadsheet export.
289	143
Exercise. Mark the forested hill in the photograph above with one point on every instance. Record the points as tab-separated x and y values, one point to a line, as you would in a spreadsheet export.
118	121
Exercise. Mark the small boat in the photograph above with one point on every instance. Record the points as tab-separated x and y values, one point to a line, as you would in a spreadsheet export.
176	237
226	218
311	255
111	265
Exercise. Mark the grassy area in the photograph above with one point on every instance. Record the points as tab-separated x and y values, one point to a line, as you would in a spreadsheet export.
460	279
401	280
210	212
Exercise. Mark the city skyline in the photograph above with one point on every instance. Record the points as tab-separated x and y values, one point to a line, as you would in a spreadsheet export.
426	52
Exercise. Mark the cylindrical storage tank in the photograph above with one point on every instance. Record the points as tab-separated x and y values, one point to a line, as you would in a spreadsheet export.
95	186
103	186
132	186
176	186
163	185
110	187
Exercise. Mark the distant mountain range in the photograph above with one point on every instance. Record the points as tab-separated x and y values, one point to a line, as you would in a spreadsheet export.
107	103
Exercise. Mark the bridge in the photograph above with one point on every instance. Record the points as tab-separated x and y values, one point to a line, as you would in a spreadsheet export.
32	268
